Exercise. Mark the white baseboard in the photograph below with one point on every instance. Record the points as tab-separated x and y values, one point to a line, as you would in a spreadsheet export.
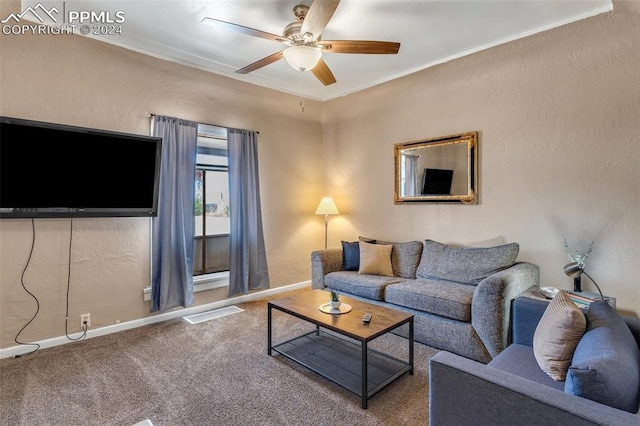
62	340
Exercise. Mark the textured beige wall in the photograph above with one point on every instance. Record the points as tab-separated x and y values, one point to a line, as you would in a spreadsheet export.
559	134
78	81
559	121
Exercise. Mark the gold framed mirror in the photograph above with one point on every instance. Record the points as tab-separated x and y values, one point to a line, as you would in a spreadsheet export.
438	170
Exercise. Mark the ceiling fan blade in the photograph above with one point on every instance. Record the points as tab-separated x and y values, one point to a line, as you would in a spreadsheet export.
244	30
323	73
261	63
359	46
318	16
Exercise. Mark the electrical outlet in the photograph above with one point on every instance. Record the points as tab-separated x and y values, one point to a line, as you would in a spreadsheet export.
85	321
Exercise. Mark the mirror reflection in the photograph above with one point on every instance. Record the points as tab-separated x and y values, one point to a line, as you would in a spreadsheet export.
437	170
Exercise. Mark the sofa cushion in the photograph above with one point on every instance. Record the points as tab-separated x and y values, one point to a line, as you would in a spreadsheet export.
520	360
350	256
467	265
405	256
558	332
436	297
375	259
606	363
367	286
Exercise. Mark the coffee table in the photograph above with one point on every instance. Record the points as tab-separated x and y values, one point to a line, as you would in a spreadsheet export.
338	347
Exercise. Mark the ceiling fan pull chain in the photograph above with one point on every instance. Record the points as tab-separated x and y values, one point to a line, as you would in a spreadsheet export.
302	90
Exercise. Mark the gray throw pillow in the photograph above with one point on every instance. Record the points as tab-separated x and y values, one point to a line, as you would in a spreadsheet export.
466	265
606	363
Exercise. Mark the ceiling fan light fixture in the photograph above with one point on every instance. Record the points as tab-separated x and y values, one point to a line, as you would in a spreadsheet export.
302	58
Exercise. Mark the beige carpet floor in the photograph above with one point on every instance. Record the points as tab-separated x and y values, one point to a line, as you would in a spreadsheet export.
212	373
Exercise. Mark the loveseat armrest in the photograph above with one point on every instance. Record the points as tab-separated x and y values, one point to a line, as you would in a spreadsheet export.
527	313
491	304
466	392
322	263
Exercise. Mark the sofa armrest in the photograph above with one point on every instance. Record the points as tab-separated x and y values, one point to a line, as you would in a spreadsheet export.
527	313
322	263
634	326
491	304
466	392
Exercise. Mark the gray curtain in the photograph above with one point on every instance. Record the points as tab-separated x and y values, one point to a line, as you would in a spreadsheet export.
247	256
172	258
411	175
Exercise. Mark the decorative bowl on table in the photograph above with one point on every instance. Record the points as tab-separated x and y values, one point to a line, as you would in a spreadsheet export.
549	292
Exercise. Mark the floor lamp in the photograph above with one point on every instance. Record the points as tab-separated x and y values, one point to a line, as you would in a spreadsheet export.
326	207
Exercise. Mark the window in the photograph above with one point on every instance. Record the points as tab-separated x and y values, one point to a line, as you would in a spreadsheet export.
211	239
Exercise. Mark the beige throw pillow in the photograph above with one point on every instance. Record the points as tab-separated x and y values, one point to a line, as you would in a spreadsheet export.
560	329
375	259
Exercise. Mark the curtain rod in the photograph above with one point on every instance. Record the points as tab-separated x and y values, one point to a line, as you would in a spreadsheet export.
151	115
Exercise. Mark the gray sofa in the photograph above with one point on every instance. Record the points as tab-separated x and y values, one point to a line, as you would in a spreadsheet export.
460	296
512	389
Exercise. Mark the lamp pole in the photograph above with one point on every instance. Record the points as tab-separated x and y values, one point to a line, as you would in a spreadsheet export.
326	228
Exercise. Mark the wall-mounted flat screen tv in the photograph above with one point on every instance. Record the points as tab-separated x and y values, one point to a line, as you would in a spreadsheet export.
55	170
437	182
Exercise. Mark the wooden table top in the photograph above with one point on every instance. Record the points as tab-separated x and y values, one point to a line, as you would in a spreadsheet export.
306	305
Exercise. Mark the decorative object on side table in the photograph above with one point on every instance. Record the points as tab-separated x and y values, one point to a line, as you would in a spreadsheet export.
549	292
579	257
575	268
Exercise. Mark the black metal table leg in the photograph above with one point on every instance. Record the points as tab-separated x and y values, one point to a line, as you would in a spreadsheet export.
365	362
269	329
411	346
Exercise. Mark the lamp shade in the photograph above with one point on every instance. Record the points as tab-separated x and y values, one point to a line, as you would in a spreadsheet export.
573	269
302	58
327	206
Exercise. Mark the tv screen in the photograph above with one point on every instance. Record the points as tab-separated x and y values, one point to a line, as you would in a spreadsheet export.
437	182
54	170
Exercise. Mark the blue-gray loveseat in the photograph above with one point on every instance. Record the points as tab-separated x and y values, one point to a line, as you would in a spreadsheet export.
460	296
513	390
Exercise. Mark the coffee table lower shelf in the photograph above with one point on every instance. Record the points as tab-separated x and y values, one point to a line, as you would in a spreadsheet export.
340	361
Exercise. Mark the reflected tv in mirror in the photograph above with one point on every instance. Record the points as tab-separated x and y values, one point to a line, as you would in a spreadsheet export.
437	182
54	170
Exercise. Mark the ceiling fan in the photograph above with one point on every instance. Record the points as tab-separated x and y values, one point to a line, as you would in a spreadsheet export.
305	45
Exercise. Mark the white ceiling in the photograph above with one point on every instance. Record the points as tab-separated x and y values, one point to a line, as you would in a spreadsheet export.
430	32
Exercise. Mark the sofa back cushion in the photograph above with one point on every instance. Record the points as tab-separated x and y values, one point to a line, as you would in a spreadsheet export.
466	265
606	363
405	256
